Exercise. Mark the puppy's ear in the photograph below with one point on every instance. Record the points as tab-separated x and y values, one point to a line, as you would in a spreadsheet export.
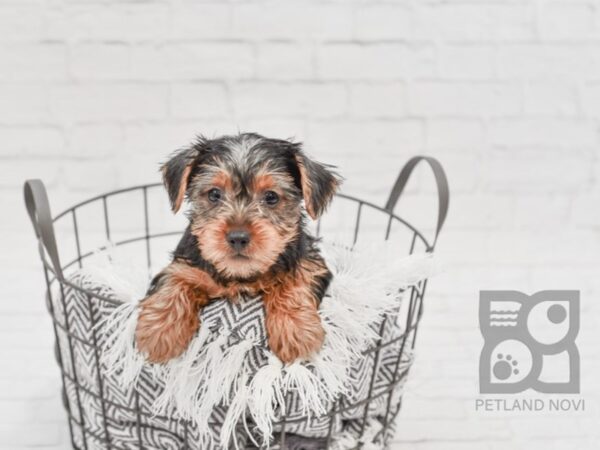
318	184
176	174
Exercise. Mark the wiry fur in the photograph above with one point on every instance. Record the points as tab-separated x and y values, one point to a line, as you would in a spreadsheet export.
280	261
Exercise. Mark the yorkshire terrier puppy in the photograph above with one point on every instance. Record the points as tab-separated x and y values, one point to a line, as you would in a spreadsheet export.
246	236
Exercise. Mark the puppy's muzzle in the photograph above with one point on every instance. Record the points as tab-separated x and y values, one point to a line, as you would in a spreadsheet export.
238	239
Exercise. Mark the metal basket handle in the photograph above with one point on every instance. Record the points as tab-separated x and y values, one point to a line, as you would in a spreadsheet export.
442	187
36	201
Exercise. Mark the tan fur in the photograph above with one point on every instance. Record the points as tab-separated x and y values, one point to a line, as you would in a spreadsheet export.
306	188
182	188
168	318
268	261
263	182
292	320
222	180
266	243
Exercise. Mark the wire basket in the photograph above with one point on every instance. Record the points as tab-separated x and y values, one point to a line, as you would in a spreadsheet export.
149	237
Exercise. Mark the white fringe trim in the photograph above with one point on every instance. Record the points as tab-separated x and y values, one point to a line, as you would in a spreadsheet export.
119	354
210	373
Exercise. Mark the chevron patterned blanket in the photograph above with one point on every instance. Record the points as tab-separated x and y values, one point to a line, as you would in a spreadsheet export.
228	390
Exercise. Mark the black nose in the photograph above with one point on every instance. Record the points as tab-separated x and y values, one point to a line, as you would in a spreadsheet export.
238	239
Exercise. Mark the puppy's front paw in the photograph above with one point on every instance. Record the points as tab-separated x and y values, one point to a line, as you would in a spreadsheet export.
164	328
293	337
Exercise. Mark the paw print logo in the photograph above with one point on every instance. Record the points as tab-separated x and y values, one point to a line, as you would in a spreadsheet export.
505	367
529	342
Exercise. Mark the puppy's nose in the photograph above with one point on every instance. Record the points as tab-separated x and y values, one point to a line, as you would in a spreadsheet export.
238	239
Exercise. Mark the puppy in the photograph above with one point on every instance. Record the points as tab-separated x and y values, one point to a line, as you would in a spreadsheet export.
246	236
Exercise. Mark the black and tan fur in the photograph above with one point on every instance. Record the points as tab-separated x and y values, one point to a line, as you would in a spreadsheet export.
246	235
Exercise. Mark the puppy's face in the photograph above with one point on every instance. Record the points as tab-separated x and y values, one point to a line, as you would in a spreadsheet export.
246	196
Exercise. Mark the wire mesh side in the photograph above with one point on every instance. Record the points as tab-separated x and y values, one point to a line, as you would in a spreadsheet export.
142	416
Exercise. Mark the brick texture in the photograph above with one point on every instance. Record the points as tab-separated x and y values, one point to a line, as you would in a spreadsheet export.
506	93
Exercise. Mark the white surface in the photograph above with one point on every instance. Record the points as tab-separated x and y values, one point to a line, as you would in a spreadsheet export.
506	93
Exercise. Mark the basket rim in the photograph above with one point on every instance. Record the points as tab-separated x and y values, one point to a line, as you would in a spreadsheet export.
144	187
39	211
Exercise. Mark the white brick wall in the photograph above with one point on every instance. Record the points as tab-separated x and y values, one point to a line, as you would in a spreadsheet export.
506	93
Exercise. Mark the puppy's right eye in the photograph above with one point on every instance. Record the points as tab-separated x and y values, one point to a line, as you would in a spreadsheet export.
214	195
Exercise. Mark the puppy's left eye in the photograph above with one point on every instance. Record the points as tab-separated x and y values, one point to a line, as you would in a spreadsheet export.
214	195
271	198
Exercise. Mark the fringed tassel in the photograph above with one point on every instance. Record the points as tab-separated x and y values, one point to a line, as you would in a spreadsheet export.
203	373
312	393
332	370
207	375
180	381
119	354
222	386
236	413
210	373
267	396
230	370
